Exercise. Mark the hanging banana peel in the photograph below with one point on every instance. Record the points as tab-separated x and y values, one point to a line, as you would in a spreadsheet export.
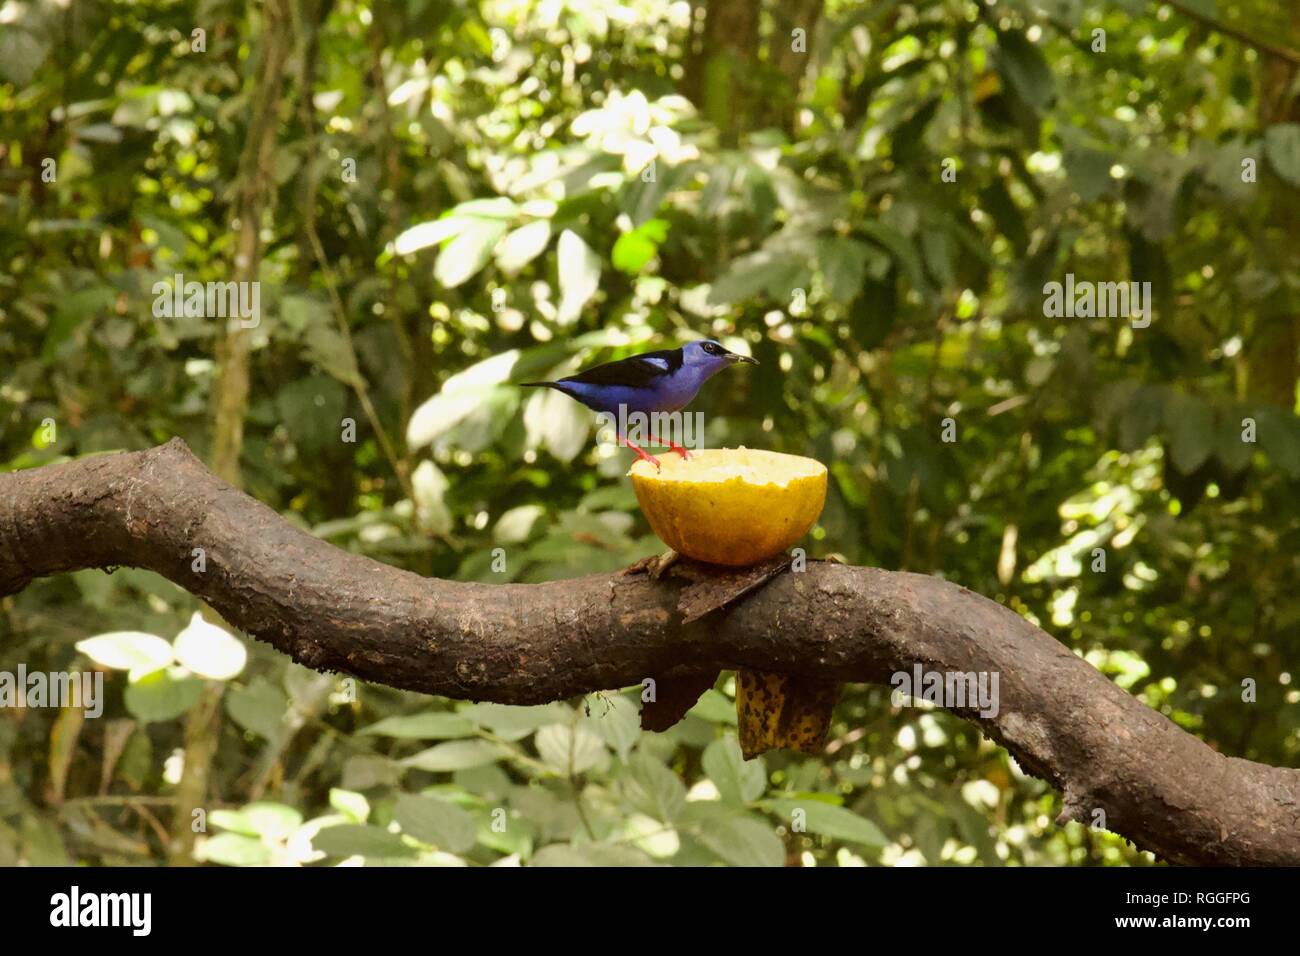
777	711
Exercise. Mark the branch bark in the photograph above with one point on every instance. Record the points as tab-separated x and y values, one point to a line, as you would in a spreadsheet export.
1285	54
523	644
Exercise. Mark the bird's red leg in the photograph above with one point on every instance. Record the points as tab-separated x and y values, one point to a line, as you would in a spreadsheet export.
675	447
639	453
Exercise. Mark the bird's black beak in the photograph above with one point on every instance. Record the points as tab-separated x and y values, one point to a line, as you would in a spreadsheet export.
734	358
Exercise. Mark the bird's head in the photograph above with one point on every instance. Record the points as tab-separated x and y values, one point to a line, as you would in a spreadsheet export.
710	356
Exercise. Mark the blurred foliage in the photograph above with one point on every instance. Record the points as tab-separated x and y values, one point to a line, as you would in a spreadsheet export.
511	189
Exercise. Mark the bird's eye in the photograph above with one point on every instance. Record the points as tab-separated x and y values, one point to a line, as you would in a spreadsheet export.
711	348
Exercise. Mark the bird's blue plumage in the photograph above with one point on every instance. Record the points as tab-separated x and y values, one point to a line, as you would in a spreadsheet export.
664	381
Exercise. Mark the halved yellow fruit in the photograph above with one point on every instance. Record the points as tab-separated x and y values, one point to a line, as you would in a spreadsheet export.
733	506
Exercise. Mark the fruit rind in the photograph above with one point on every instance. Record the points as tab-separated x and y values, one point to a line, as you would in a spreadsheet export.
731	506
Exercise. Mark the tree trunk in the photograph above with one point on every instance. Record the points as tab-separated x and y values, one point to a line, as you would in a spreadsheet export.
230	402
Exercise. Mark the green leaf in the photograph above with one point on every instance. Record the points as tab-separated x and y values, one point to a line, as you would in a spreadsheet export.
363	771
558	423
259	708
1022	63
325	345
1282	147
937	251
776	271
579	273
432	725
169	235
633	250
738	780
1233	453
311	409
616	720
456	755
1278	435
469	252
233	849
498	207
273	821
351	804
522	246
233	820
654	789
461	395
589	854
133	651
1138	412
21	54
570	750
838	823
425	234
429	485
741	840
715	707
354	839
435	822
443	412
844	264
1189	422
901	249
909	134
1089	171
159	697
515	723
609	498
516	524
488	782
210	651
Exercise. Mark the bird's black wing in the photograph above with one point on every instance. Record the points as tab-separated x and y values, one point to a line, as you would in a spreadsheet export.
637	371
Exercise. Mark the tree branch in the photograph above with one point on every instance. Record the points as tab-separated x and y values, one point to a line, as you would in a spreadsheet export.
522	644
1271	49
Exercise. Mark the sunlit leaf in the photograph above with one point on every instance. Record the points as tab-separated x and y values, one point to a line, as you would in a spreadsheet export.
522	246
233	849
132	651
210	651
468	252
579	271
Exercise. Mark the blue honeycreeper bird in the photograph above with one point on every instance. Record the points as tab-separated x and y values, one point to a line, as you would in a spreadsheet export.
663	381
